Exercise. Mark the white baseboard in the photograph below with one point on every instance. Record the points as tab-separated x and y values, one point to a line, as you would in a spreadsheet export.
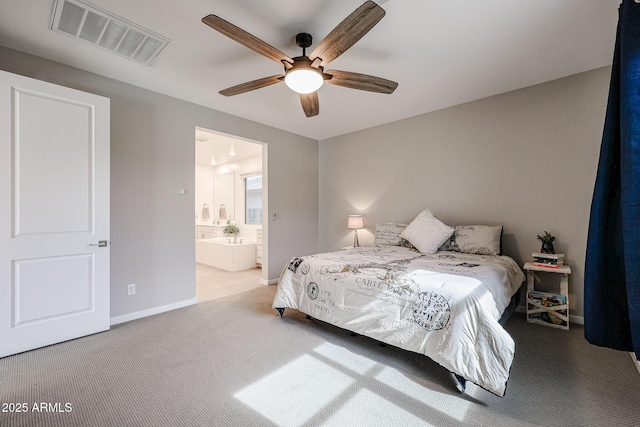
576	319
151	311
635	361
269	282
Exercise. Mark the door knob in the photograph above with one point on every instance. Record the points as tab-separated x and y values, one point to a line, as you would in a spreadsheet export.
100	244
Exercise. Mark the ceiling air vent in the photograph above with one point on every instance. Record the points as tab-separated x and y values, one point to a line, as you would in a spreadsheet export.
87	22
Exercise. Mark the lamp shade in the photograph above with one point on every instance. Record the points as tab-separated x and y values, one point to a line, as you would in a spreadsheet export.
355	222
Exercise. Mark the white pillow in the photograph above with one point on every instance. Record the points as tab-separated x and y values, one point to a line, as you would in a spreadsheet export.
426	232
479	239
389	234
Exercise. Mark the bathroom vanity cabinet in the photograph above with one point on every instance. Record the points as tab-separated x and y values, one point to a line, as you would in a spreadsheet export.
209	231
259	247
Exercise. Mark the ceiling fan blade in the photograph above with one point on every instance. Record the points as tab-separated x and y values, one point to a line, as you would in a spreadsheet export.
361	81
310	104
252	85
244	38
348	32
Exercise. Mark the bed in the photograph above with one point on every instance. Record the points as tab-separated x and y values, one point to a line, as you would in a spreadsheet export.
445	303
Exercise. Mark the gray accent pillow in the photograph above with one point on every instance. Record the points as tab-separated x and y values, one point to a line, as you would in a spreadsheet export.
478	239
389	234
450	244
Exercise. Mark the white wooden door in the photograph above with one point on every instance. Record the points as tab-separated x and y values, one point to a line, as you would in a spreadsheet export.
54	205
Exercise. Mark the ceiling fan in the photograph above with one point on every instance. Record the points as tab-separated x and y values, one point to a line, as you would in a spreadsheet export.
305	74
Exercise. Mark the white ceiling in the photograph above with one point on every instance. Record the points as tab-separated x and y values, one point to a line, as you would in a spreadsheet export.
441	52
213	149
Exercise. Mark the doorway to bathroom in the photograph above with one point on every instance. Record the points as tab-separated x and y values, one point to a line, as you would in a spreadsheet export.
230	212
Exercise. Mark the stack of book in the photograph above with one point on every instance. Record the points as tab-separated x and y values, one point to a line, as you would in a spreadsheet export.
544	299
548	260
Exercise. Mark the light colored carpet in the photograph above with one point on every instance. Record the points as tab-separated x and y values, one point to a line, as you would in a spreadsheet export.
235	362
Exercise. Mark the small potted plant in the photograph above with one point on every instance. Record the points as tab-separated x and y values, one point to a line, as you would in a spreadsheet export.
231	230
547	242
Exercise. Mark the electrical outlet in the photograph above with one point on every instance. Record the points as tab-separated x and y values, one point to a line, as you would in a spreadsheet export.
131	289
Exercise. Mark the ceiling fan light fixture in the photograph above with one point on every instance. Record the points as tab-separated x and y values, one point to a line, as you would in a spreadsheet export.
303	80
305	74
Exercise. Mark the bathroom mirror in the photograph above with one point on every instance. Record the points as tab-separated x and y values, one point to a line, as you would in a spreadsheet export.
224	194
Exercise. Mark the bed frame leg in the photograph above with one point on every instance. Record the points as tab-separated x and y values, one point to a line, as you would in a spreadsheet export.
281	311
461	383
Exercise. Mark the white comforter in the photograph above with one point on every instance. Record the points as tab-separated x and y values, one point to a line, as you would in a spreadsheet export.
446	305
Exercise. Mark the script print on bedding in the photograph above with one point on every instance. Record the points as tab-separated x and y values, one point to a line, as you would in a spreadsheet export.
444	305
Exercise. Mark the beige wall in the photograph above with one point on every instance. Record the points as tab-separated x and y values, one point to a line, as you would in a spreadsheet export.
526	160
152	159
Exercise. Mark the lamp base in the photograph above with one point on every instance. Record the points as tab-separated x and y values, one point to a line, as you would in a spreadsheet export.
355	239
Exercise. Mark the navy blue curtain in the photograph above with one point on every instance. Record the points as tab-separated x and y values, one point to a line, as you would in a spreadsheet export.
612	267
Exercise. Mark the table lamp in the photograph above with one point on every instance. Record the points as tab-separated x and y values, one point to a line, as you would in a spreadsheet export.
355	223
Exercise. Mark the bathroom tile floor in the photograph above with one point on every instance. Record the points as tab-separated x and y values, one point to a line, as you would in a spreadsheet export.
212	283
